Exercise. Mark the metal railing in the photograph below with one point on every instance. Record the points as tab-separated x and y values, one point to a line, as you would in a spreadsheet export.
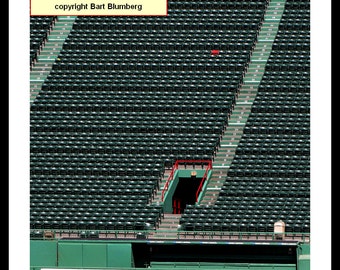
50	234
175	167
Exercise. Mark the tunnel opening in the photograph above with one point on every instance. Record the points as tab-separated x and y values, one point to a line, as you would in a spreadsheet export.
185	193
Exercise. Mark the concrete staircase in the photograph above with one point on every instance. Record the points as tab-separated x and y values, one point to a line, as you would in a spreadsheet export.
158	196
245	99
168	228
49	53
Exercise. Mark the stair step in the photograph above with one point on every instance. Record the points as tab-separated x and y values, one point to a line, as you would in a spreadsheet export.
244	101
170	221
168	226
49	53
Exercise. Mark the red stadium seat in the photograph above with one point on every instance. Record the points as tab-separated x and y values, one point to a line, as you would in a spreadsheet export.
215	52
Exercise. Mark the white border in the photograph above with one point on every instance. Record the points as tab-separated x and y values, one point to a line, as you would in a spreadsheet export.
18	120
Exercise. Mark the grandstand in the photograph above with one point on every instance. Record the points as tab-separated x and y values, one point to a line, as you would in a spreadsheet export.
178	141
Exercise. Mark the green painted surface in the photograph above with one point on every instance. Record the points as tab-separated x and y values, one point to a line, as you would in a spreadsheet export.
303	264
70	254
78	254
173	184
168	195
187	173
73	254
304	249
119	255
94	254
43	253
303	254
204	188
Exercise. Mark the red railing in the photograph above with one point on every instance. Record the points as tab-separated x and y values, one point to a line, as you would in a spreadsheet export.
209	167
175	167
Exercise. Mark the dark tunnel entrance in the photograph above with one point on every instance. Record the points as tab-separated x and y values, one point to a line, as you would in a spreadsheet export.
185	193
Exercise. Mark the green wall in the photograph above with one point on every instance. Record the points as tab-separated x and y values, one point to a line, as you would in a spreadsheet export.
43	253
80	254
120	255
303	257
104	254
